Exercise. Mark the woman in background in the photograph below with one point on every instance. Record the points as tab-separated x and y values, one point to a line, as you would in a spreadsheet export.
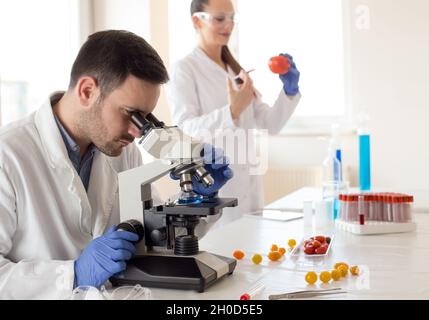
202	96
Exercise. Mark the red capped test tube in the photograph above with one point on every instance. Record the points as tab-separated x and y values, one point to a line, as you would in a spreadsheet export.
253	293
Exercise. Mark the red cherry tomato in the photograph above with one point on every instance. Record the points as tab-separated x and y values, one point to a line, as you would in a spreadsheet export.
328	240
279	65
321	250
321	239
325	245
309	249
316	244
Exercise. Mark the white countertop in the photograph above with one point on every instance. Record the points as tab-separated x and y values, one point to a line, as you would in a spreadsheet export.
395	266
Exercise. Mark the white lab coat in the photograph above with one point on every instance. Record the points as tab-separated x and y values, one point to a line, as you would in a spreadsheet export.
46	215
198	99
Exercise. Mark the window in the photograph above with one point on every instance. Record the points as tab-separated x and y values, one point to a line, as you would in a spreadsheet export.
39	41
312	32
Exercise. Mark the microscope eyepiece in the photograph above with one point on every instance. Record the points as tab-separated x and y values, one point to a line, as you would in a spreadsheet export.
159	124
141	123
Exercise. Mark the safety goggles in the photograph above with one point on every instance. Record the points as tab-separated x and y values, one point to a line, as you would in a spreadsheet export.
217	19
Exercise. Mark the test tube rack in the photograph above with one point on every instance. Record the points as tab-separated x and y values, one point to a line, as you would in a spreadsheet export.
375	227
375	213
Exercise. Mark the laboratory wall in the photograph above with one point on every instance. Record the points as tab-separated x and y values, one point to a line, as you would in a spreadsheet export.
387	78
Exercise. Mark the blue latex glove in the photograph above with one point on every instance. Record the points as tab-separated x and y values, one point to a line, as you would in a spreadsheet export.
291	79
218	166
103	257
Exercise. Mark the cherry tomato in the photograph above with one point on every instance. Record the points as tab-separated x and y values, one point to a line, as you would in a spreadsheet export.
257	259
341	263
321	250
328	240
336	274
308	244
282	251
321	239
238	254
325	276
309	249
279	65
274	255
311	277
354	270
325	245
316	244
274	247
343	269
292	243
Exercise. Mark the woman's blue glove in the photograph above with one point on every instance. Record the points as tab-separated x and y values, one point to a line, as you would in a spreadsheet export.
103	257
218	166
291	79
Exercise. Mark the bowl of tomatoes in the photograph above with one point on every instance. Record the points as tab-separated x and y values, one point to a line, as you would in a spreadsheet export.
316	246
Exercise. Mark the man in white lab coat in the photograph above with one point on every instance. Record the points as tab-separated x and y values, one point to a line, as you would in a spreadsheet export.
58	172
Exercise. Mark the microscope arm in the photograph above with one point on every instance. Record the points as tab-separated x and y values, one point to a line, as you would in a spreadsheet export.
130	181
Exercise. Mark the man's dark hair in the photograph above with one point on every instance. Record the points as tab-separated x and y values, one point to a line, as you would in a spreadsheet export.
111	56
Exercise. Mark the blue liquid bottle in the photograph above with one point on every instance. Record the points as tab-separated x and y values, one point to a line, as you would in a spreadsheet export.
364	155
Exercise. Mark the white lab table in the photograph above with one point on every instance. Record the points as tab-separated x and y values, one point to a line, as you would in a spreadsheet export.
395	266
294	201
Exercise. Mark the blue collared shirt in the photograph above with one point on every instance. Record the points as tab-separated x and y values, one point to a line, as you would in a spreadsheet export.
83	166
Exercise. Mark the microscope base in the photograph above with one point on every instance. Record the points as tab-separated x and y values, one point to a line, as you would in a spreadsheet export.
175	272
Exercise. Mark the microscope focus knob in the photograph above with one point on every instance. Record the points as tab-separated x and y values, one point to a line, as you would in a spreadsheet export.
133	226
158	235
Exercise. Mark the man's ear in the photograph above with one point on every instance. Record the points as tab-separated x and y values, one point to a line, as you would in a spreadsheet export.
88	91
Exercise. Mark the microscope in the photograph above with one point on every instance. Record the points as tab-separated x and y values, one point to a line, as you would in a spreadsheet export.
168	254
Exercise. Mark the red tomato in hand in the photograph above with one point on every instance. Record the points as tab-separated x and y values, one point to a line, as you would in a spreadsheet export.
279	65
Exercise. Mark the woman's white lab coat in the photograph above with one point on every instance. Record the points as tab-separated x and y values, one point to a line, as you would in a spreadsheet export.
198	98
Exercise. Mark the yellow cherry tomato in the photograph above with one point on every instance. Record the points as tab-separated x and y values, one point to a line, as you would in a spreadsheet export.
354	270
257	259
311	277
336	274
274	255
238	254
343	269
282	251
274	247
325	277
341	264
292	243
